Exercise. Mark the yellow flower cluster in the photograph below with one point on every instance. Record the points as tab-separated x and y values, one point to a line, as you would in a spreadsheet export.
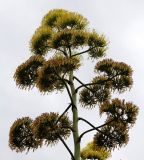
26	74
92	151
51	74
64	30
26	134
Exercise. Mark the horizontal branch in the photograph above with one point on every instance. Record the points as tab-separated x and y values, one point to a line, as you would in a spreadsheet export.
82	85
83	52
85	85
93	127
90	84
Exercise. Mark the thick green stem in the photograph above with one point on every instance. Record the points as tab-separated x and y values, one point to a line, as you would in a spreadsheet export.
75	119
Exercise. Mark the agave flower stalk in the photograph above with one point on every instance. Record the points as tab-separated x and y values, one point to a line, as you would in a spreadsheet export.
66	35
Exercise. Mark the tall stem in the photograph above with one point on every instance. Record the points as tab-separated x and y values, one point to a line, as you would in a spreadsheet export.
75	119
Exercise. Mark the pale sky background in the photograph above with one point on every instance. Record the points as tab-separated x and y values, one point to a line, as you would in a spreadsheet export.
122	21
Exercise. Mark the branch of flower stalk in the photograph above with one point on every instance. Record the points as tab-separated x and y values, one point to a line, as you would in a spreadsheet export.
80	137
64	74
57	49
90	84
70	51
82	85
64	78
96	128
70	152
61	51
64	112
93	127
68	91
83	52
85	85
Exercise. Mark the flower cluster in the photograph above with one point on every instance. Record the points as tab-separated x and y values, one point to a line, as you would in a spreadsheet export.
47	75
116	76
97	45
112	136
46	127
52	72
92	151
26	74
112	68
96	93
26	134
119	74
61	29
121	116
40	42
21	136
119	110
61	19
69	38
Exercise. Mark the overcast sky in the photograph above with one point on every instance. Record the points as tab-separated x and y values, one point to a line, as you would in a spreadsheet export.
122	21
